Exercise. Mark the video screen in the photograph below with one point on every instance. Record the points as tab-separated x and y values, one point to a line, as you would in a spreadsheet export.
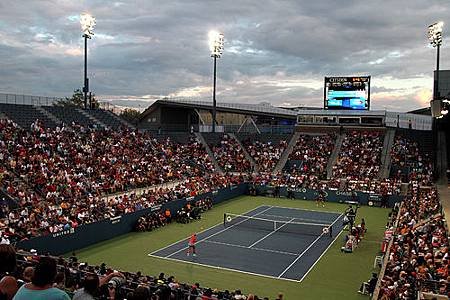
351	93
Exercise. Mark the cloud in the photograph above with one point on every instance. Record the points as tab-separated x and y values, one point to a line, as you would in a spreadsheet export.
278	52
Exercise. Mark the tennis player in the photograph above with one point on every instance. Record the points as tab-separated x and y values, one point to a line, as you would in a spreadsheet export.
320	200
191	245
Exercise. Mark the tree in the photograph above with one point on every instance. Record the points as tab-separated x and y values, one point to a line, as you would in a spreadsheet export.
131	115
77	100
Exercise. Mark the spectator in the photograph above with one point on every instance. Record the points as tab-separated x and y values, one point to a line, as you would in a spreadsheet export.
41	283
90	287
8	283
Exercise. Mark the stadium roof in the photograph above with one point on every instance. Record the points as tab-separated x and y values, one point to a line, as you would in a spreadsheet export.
251	109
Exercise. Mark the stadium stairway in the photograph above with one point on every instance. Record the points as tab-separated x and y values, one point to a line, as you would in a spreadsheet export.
247	155
91	117
6	199
386	154
284	157
49	115
122	121
334	156
202	140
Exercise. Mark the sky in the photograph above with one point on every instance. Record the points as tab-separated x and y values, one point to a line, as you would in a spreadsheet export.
276	51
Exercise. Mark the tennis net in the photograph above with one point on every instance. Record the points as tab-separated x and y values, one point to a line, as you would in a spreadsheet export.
257	223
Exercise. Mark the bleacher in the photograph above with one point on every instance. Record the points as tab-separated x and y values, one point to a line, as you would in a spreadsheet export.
25	115
424	138
213	138
69	115
107	118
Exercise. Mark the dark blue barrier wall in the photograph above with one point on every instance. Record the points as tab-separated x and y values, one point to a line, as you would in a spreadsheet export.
89	234
331	195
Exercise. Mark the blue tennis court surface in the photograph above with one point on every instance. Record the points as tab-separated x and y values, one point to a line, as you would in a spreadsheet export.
251	244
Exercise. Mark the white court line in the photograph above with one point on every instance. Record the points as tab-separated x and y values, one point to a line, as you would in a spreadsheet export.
270	233
323	253
306	250
214	234
297	208
254	248
286	217
222	268
179	241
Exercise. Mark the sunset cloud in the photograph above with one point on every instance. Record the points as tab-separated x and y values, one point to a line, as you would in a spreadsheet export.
278	52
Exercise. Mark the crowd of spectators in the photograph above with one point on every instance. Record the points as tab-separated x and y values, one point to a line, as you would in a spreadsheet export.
294	179
386	186
60	167
265	154
61	179
30	276
192	211
409	163
151	221
312	153
419	251
44	218
73	162
360	156
230	156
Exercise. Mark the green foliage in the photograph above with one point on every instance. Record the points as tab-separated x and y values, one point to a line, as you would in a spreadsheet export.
77	100
131	115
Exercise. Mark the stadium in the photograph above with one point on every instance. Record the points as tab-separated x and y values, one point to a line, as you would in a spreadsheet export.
199	198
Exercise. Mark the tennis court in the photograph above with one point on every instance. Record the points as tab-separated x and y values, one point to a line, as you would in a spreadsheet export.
269	241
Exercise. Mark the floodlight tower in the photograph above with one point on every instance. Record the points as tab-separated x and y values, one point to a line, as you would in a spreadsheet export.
87	27
216	41
435	37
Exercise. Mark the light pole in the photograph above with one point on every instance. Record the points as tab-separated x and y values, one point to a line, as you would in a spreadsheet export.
216	41
87	26
435	37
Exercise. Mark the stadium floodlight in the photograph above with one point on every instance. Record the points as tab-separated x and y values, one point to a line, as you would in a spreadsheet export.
87	24
216	41
435	33
87	27
435	37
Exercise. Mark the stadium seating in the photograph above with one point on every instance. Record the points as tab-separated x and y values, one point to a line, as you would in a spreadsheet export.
409	162
228	153
107	118
360	156
311	154
72	274
70	115
419	251
25	115
265	149
54	178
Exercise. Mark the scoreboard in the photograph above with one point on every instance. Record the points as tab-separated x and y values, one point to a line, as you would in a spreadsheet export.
351	93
